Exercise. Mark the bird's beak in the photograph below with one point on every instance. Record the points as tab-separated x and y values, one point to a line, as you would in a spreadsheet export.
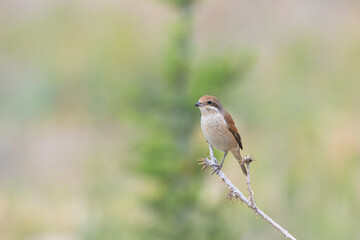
198	104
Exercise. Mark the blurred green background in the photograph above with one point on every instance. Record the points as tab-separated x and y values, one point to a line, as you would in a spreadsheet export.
99	137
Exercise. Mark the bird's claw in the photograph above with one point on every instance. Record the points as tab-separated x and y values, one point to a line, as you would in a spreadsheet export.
217	169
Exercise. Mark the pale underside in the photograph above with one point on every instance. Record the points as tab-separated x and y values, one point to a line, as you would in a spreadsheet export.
216	130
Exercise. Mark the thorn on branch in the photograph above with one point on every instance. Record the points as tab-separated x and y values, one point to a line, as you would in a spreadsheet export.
232	196
203	162
206	162
248	159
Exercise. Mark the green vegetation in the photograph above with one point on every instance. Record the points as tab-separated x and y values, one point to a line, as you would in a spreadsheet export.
99	136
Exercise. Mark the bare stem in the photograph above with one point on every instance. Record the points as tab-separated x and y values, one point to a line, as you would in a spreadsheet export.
247	159
237	194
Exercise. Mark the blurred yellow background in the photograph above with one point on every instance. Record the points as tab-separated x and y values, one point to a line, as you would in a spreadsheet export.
99	136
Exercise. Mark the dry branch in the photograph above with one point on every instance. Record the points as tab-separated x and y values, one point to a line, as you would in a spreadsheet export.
235	193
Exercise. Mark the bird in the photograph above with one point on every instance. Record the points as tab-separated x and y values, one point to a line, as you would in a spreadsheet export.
219	129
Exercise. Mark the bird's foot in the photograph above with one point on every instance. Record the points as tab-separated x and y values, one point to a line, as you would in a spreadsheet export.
217	169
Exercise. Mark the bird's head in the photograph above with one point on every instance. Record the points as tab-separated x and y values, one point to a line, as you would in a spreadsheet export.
208	105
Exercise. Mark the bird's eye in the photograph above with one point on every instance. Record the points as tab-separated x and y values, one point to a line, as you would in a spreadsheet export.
209	102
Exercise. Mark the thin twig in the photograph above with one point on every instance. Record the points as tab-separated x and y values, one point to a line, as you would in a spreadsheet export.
246	160
237	194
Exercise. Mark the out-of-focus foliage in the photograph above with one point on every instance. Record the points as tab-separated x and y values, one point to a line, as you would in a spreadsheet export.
181	4
166	149
99	136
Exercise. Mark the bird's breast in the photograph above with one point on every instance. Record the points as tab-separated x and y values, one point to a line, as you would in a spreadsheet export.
216	132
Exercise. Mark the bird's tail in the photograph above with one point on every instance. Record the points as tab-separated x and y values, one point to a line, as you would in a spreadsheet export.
237	155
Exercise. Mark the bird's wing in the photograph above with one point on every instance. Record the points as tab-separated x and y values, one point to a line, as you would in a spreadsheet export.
232	128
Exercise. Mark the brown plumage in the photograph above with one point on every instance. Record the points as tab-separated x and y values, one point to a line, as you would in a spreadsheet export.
219	128
233	129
